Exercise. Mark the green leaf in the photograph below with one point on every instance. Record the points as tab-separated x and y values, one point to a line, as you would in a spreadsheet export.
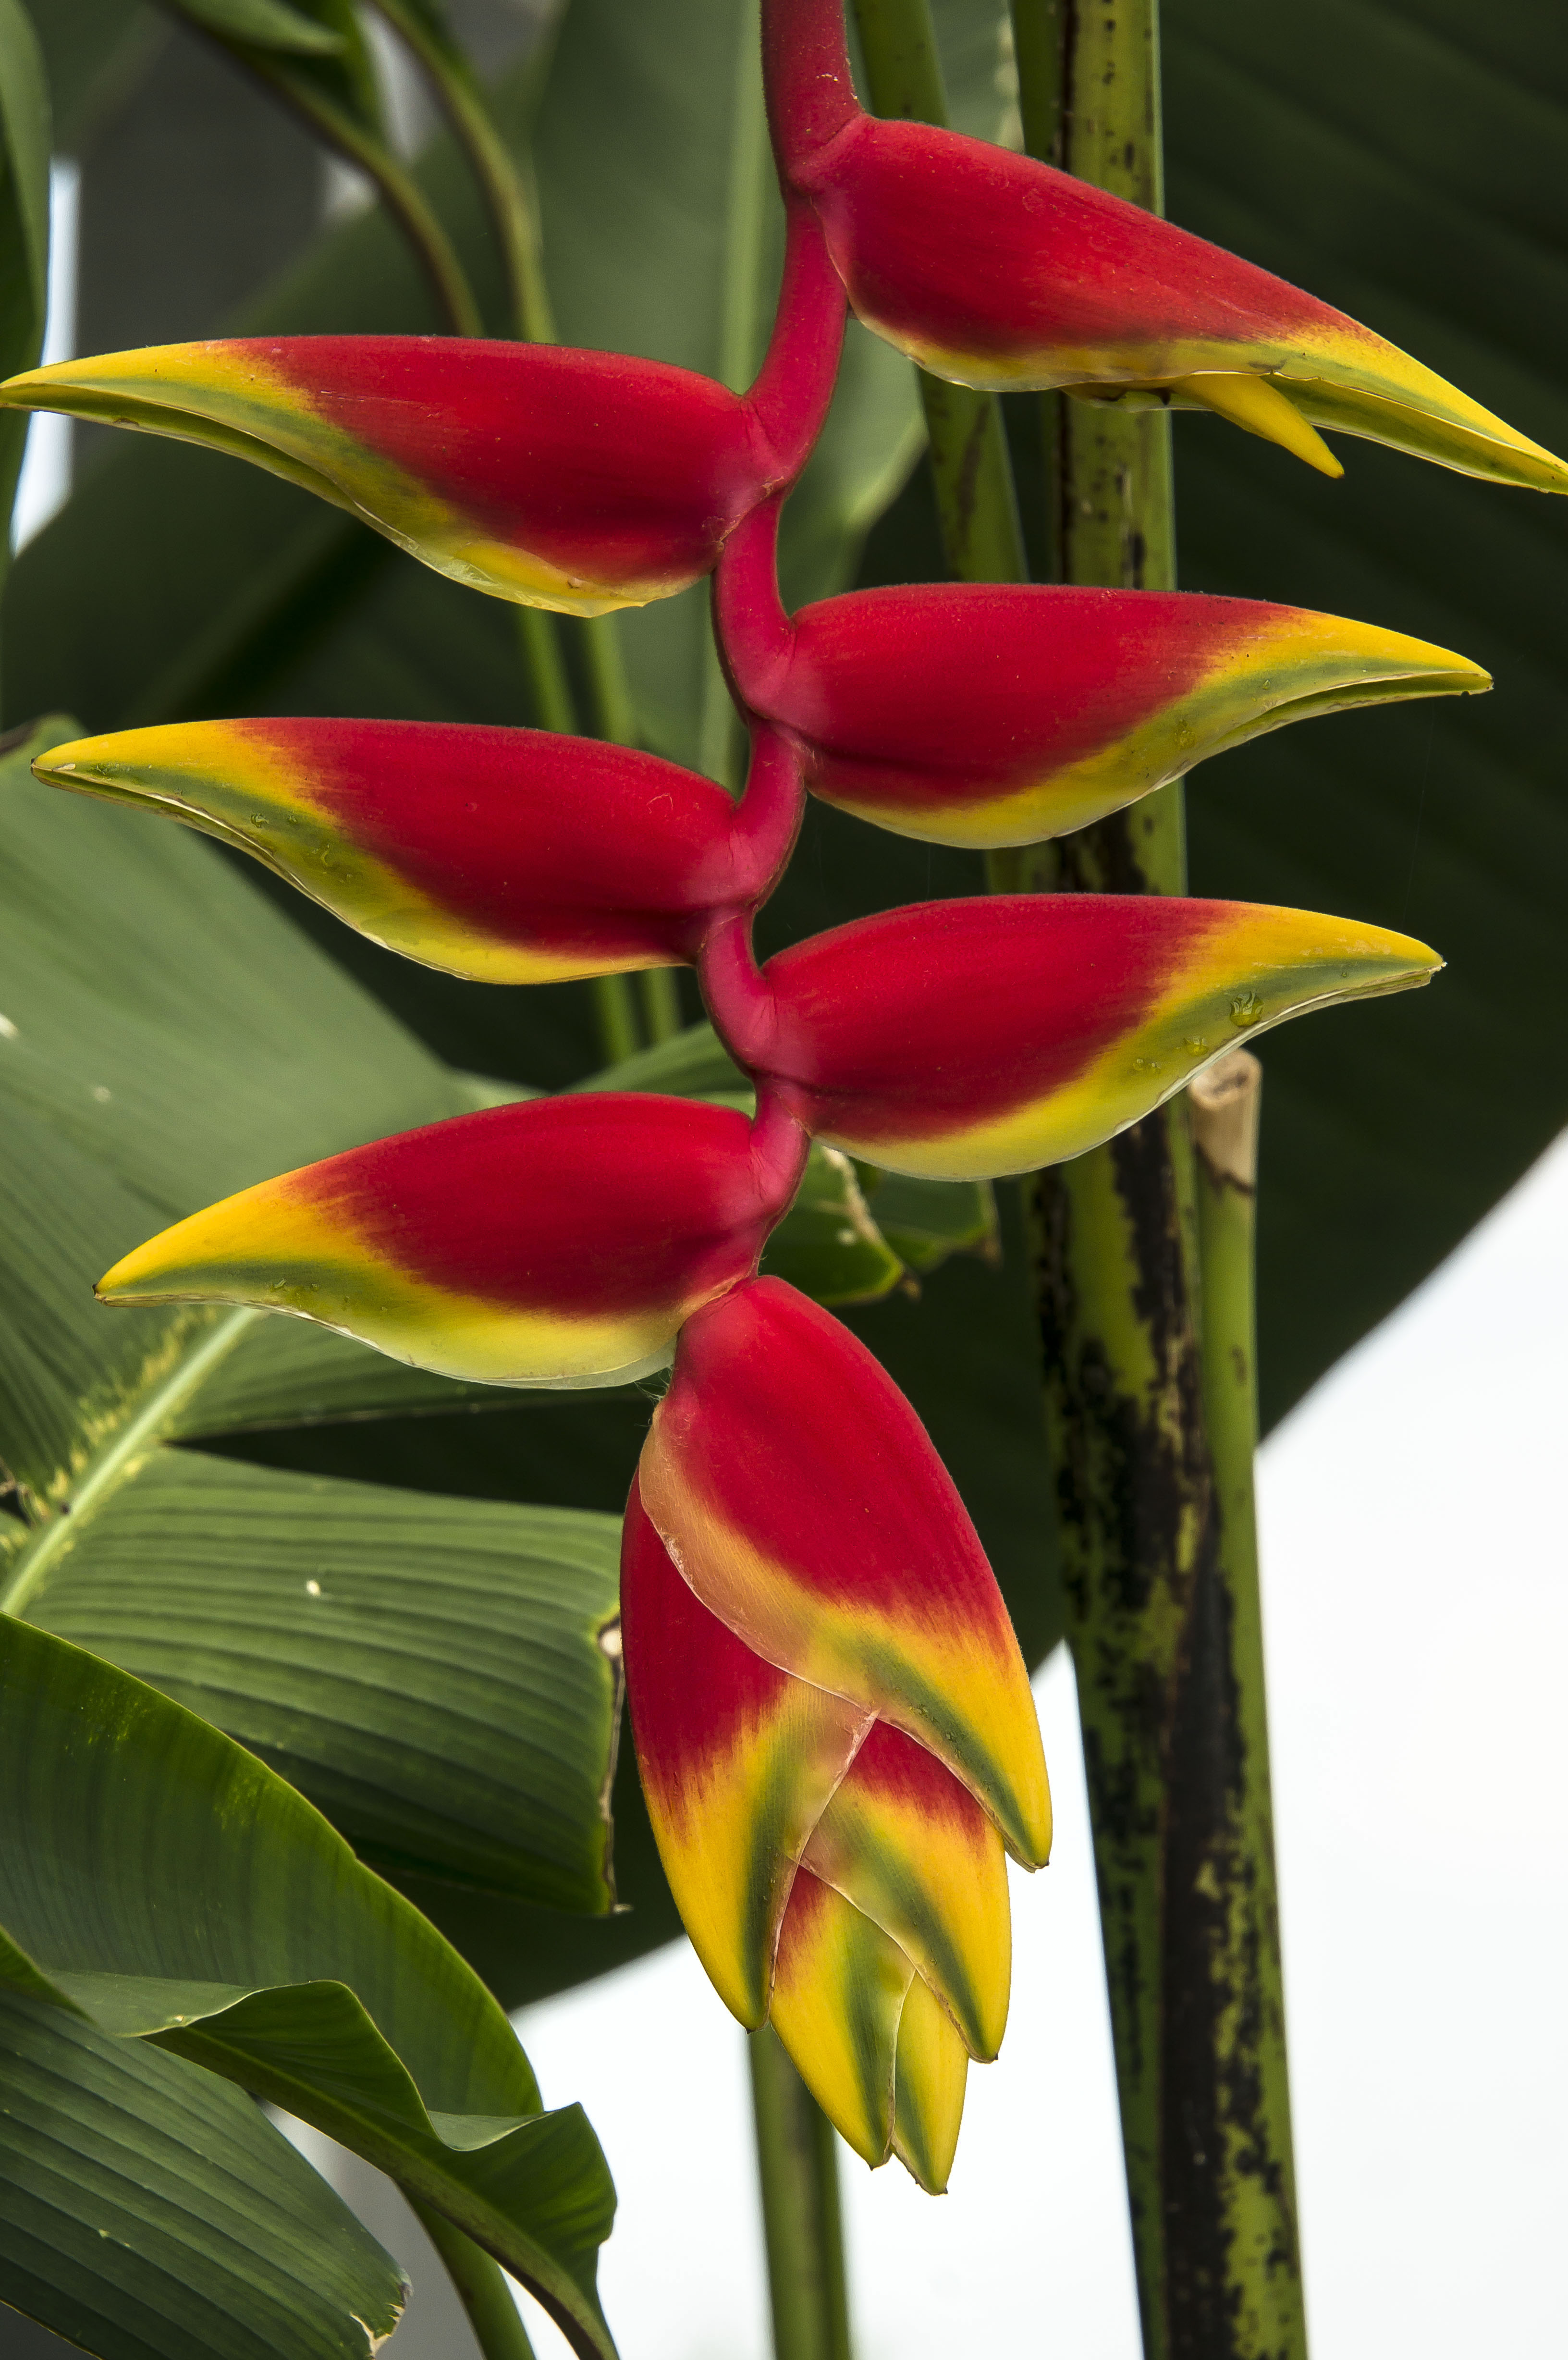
828	1244
926	1221
433	1671
312	52
162	1884
24	221
166	1038
264	24
150	2211
440	1677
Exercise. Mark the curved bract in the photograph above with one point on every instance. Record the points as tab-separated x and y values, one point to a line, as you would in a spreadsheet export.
835	1730
962	1040
801	1497
981	714
510	856
995	271
580	481
560	1242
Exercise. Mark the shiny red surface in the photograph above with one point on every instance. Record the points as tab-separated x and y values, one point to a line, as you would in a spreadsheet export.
920	1021
534	837
798	1436
581	1204
927	693
692	1688
598	462
954	243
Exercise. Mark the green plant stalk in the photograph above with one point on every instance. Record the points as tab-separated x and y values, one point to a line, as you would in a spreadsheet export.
1242	1919
976	503
797	2164
1159	1556
483	2289
400	193
479	136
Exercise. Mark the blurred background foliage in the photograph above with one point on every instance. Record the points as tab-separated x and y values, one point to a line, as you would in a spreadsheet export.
1404	161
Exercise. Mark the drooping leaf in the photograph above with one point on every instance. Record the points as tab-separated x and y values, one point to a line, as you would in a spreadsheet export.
161	1883
150	2211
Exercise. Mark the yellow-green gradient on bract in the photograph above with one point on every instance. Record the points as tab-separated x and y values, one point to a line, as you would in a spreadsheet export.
763	1456
560	1242
914	1852
738	1760
969	1040
987	714
578	480
505	856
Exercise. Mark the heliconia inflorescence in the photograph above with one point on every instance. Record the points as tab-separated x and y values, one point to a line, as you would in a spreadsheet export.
833	1721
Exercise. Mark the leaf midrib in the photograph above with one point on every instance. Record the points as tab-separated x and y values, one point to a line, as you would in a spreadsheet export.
118	1457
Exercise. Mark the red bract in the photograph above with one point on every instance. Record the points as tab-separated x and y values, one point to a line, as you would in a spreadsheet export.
583	481
985	714
800	1496
562	1241
996	270
513	855
962	1040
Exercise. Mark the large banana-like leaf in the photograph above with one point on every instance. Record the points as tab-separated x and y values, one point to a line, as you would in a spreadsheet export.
150	2211
161	1883
433	1671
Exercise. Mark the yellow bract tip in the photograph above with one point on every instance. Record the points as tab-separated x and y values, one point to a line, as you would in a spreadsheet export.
1257	406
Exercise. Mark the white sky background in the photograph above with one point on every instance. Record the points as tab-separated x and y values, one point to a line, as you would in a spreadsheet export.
1416	1595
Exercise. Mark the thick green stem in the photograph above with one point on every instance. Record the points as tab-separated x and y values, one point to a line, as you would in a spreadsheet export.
976	505
484	2289
1156	1520
797	2164
660	1003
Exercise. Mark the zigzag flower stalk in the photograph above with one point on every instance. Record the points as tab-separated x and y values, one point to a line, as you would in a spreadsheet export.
833	1717
995	271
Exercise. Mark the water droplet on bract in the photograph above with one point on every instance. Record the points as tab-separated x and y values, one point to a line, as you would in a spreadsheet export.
1246	1008
1194	1047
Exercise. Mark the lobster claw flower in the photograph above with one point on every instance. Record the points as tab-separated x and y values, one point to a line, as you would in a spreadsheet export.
834	1723
995	271
510	856
978	714
559	1242
965	1040
582	481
